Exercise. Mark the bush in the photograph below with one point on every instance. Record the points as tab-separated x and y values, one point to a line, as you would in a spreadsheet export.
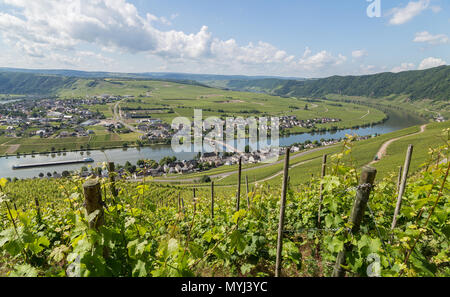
205	179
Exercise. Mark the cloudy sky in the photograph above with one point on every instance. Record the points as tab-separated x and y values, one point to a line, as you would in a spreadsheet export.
300	38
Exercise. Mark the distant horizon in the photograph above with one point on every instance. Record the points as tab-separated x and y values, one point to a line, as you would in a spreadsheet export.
36	70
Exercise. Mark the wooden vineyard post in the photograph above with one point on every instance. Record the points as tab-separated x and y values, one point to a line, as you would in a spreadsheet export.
38	209
248	198
324	171
93	202
238	196
179	201
195	201
362	197
401	191
399	178
182	206
212	200
112	178
282	210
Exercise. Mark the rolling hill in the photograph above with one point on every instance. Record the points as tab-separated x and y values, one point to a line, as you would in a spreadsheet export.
432	84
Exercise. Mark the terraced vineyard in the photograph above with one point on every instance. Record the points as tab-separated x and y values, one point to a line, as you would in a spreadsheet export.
155	230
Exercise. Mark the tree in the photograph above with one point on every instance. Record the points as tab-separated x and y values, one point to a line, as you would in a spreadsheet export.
41	175
140	163
130	168
65	174
167	160
49	174
205	179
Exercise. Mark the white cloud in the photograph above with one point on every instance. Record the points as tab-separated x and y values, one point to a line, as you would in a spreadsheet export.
48	29
359	54
401	15
431	39
322	59
404	67
431	62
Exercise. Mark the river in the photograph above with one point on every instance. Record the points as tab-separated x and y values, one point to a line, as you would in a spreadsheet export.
397	120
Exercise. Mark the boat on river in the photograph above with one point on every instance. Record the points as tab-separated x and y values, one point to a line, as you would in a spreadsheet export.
25	166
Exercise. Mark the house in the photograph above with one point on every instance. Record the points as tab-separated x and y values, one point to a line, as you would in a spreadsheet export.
54	114
64	134
41	132
178	168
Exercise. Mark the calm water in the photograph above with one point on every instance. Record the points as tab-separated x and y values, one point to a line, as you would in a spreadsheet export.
8	101
397	120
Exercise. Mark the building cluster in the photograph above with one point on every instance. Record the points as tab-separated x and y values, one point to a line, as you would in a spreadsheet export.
155	130
439	119
49	117
287	122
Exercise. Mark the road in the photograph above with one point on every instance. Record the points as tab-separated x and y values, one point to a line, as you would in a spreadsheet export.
118	117
383	149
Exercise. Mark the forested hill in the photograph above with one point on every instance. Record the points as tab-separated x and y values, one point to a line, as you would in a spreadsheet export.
21	83
26	83
421	84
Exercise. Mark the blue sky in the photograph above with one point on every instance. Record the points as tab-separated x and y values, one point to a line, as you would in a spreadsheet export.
300	38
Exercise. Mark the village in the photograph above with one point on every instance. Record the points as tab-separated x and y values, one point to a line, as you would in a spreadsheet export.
206	161
52	118
287	122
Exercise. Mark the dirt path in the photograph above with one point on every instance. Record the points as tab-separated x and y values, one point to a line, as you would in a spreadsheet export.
368	112
12	148
383	149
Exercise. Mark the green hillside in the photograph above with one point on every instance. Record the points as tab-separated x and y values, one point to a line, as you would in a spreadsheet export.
21	83
33	84
424	84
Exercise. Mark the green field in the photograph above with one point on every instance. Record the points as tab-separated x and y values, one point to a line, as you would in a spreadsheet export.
425	107
100	140
184	98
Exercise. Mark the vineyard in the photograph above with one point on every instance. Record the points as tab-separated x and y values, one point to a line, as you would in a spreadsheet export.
48	228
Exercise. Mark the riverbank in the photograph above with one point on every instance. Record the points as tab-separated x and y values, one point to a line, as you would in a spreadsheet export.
120	155
133	143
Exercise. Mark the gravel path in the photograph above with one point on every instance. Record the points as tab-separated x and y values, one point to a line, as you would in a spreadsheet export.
383	149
